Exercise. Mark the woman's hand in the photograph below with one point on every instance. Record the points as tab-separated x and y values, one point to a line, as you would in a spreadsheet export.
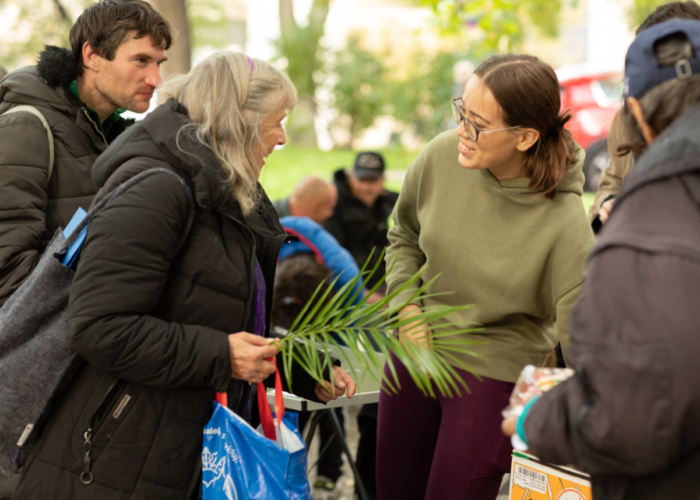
413	332
416	331
343	380
248	353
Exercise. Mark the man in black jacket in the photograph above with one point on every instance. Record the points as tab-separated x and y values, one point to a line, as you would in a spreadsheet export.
117	48
360	220
360	224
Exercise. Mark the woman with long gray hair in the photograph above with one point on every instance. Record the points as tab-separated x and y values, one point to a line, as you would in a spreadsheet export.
170	302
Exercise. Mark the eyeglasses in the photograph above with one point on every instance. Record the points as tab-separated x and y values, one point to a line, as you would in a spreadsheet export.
472	130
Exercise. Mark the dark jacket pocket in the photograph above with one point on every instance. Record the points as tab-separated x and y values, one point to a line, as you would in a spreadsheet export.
105	420
625	423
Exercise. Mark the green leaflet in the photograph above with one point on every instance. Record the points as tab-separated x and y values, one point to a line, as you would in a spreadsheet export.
361	327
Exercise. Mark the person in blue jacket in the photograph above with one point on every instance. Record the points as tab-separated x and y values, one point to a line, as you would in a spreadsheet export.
304	265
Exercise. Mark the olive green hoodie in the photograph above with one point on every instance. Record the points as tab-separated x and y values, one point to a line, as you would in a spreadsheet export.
517	256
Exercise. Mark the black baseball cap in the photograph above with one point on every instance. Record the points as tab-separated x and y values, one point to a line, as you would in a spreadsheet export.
368	165
642	71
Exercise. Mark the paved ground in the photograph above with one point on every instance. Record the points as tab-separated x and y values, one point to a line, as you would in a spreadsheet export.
347	482
346	491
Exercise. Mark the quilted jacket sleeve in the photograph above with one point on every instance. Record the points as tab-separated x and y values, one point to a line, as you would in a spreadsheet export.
24	158
123	269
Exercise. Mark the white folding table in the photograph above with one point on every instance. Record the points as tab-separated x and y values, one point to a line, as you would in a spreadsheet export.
368	387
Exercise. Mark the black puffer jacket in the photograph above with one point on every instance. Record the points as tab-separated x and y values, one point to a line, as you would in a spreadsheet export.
30	207
153	325
630	416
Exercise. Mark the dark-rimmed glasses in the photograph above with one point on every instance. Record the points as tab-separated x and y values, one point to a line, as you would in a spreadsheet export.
471	128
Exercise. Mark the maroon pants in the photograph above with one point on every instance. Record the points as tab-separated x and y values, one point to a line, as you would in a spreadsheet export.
444	448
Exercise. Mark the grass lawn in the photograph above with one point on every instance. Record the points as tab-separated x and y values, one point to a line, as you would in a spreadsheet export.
287	166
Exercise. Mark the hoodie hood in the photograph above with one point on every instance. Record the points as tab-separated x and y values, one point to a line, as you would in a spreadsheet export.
156	138
572	182
574	178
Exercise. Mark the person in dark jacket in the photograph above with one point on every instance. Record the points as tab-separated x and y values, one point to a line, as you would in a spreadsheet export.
117	47
360	223
360	219
161	330
314	261
629	416
621	163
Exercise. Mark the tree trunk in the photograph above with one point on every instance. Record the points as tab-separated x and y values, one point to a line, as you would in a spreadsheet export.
180	54
301	49
302	123
287	22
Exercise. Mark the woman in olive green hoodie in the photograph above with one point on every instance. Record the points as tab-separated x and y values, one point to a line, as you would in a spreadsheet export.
495	211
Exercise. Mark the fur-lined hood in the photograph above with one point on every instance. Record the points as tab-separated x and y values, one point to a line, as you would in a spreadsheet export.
45	84
57	67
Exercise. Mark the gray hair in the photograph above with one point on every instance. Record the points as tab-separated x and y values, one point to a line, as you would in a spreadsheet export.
668	100
227	104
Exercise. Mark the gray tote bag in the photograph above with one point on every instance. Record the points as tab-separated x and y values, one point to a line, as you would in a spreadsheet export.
36	358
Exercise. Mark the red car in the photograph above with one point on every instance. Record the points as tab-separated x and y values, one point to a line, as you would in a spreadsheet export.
593	99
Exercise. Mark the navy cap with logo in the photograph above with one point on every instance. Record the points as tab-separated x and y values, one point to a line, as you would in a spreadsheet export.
642	71
368	165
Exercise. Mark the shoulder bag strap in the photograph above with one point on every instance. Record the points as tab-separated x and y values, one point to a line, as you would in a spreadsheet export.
124	187
32	110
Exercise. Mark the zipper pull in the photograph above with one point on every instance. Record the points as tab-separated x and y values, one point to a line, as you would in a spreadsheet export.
86	476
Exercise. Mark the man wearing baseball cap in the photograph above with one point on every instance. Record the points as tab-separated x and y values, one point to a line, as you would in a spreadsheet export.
360	220
360	224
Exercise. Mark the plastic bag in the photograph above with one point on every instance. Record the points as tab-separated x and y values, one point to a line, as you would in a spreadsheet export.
534	381
240	462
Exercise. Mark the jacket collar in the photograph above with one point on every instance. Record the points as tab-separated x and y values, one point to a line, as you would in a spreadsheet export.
675	151
184	152
47	84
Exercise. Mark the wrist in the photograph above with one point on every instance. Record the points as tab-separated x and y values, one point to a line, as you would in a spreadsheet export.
520	425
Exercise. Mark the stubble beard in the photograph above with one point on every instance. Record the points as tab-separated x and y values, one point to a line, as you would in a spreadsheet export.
116	99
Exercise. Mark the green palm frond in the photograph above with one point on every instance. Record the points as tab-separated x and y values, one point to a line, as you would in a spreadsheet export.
329	319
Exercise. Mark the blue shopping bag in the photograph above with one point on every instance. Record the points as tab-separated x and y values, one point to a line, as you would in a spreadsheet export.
239	462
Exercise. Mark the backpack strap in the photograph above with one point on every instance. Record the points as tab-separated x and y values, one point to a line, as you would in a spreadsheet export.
32	110
124	187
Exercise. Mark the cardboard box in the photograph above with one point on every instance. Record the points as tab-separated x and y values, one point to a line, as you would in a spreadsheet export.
531	479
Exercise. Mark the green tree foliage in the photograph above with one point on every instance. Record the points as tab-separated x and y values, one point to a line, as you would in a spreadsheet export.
498	25
638	10
299	46
209	24
421	99
329	321
40	23
359	95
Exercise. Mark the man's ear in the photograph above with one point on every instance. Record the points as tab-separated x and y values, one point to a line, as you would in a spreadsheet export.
91	59
528	137
638	113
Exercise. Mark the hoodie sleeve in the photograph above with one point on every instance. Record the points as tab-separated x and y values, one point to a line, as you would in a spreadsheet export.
24	176
122	271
